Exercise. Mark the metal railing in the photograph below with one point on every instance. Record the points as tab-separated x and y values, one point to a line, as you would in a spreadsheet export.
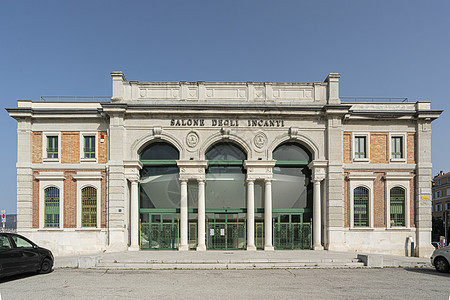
372	99
76	98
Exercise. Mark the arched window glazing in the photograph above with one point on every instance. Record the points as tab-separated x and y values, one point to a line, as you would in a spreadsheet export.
89	207
51	207
361	207
397	207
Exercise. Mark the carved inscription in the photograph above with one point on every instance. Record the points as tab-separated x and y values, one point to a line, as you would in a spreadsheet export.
226	123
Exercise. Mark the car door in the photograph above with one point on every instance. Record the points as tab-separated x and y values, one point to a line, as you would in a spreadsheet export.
9	257
29	256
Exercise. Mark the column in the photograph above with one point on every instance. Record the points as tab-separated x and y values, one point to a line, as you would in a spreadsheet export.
201	246
251	215
317	232
183	218
134	214
268	216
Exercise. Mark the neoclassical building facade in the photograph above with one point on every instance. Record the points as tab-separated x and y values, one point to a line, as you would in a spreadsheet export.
195	166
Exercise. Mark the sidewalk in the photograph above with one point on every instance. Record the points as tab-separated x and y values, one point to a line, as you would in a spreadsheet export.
236	260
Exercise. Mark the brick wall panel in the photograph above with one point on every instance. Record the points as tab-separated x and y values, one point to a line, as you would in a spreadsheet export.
36	148
70	200
379	151
70	147
379	201
411	148
102	148
348	156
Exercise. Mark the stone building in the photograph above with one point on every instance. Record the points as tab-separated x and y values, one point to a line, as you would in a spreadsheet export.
224	165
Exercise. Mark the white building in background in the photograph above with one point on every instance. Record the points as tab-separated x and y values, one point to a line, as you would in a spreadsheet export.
224	165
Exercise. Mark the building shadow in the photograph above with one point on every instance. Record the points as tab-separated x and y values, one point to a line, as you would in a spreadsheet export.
427	271
20	276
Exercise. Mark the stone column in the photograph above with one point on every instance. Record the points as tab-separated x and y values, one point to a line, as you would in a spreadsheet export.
201	246
268	216
134	212
317	220
183	218
251	215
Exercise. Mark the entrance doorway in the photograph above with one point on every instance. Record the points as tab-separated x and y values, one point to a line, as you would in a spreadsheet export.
291	230
159	231
226	230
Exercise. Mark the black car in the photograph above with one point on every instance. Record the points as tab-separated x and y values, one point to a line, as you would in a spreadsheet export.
20	255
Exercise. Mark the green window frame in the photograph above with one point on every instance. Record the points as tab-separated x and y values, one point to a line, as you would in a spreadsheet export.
360	147
89	207
52	146
397	207
397	151
89	146
51	210
361	207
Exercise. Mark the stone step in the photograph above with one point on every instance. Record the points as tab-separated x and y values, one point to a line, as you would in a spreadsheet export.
221	265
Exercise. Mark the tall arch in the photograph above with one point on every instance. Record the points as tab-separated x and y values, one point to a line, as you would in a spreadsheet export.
220	138
300	139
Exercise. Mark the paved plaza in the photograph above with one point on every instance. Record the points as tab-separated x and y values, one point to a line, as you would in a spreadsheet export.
387	283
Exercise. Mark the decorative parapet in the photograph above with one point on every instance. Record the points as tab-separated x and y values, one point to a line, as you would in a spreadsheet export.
289	93
259	169
192	169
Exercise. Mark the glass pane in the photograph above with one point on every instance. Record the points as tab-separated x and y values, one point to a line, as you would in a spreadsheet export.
21	243
160	187
225	191
291	151
89	146
52	147
4	242
226	151
397	199
162	151
361	207
89	207
51	201
291	188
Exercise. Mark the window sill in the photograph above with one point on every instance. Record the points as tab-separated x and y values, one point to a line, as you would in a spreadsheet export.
50	160
88	229
398	160
50	229
93	160
362	229
398	229
361	160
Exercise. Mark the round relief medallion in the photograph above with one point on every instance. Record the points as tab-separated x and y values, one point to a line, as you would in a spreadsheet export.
260	140
192	139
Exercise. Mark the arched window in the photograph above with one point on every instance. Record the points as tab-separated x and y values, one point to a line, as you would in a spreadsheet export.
291	181
89	207
51	210
361	207
397	209
159	184
225	176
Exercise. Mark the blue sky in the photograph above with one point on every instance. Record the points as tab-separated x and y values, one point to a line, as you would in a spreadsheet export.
381	48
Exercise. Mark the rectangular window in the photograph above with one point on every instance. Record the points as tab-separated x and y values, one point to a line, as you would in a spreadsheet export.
397	147
89	147
52	146
447	206
360	147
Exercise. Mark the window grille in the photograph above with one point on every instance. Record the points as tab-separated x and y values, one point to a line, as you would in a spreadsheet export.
89	207
397	147
52	147
361	207
89	147
360	147
397	199
51	199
